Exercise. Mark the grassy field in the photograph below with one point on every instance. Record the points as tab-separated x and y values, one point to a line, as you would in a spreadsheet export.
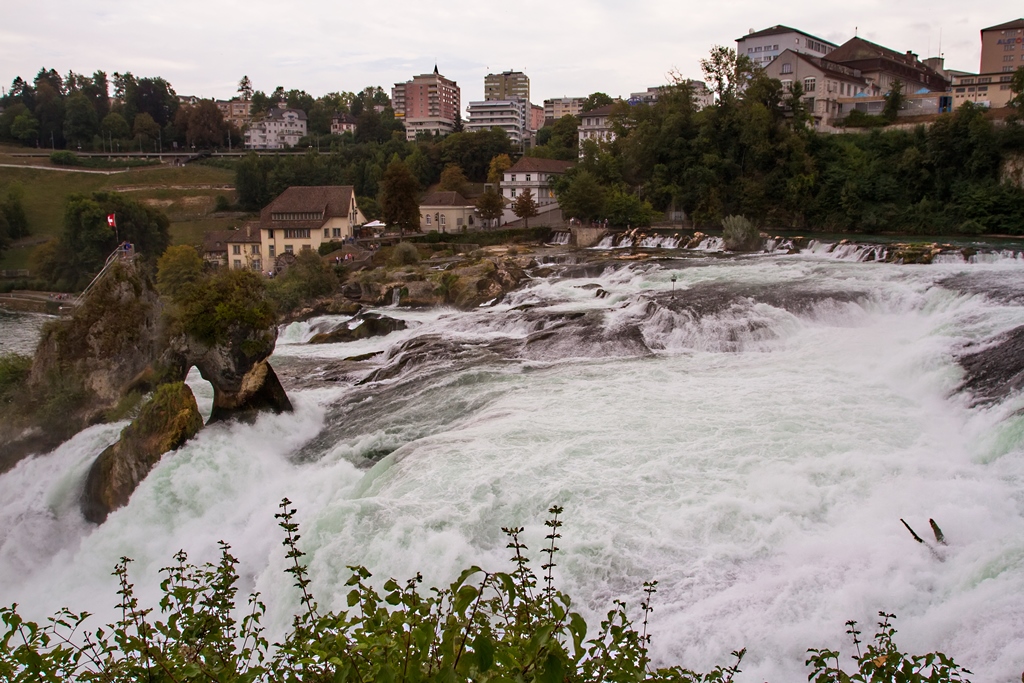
187	194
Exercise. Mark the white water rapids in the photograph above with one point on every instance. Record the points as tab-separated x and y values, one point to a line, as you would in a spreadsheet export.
755	457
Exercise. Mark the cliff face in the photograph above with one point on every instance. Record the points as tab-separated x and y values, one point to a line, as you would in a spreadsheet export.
169	419
121	344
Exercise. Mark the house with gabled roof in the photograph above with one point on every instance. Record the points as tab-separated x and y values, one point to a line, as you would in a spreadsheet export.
822	81
303	218
536	175
881	67
448	211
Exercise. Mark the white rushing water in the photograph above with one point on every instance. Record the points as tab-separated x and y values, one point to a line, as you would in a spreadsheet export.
755	457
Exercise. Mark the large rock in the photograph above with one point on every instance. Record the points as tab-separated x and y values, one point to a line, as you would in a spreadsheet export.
369	325
166	421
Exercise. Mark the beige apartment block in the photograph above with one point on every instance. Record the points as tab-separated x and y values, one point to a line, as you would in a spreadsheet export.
506	85
1002	48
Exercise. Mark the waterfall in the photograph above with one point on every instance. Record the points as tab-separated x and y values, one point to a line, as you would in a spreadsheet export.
750	440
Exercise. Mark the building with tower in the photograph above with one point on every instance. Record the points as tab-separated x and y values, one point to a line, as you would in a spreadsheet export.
429	103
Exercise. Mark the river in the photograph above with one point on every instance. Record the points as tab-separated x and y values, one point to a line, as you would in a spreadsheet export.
749	431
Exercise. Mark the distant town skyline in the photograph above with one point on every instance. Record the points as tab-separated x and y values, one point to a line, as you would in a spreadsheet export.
204	48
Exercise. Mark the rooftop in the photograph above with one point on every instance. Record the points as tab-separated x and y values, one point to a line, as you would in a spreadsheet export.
780	29
538	165
328	200
445	198
1016	23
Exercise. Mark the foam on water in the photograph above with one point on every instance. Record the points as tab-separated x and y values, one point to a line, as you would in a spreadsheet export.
756	463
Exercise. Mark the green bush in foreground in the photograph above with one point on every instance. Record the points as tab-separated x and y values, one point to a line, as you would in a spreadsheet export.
499	627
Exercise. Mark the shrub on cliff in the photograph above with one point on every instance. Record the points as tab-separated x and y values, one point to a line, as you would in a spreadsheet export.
229	305
485	626
177	271
306	279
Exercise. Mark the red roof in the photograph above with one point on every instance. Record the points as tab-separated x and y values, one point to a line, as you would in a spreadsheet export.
538	165
327	201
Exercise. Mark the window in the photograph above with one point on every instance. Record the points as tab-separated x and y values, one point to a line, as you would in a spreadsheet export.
271	251
1007	58
1009	47
961	89
967	81
810	84
1007	69
787	84
985	80
428	219
527	177
255	249
296	233
288	249
327	232
270	234
787	68
237	263
1004	87
257	265
513	177
1005	79
236	249
442	219
513	192
336	233
982	88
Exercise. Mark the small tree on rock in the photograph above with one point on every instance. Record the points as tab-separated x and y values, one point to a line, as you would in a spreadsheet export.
524	207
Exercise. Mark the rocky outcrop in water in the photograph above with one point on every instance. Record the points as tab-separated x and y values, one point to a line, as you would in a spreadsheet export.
166	421
464	285
121	344
363	327
995	371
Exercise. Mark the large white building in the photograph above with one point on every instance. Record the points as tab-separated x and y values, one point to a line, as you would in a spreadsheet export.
280	128
765	45
510	115
533	174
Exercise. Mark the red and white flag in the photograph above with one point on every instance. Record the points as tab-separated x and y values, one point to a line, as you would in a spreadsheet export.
111	221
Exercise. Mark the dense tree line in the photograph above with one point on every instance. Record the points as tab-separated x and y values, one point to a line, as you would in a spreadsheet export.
363	165
755	153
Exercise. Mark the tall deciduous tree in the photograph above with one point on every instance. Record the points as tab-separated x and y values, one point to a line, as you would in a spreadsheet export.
453	179
499	165
80	120
398	191
490	205
524	207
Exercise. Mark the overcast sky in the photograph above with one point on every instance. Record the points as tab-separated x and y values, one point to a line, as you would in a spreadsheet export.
567	48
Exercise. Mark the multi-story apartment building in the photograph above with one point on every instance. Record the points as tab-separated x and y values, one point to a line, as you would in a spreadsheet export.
429	103
510	115
765	45
557	108
596	125
280	128
236	112
1002	48
506	85
536	117
1002	53
702	97
533	174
